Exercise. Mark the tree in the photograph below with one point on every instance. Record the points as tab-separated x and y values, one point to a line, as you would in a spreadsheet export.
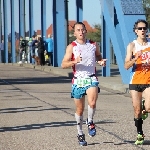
71	36
95	35
146	5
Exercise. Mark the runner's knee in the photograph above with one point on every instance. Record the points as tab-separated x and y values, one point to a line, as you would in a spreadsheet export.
92	103
79	111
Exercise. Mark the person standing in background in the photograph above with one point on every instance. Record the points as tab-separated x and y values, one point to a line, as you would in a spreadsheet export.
49	48
41	49
34	46
30	50
148	38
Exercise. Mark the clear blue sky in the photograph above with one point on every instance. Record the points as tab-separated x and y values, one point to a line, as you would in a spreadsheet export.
91	13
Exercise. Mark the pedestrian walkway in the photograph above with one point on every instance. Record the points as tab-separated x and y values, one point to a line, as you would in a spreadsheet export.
114	82
37	113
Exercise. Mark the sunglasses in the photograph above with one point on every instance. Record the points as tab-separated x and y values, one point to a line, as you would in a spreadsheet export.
140	28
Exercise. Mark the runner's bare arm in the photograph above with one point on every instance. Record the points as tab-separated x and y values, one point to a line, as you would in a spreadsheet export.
99	59
67	62
128	60
97	53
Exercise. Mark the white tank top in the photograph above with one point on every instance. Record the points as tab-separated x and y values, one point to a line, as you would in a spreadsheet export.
139	47
87	66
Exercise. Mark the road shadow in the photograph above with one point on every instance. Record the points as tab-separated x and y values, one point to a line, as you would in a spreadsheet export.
11	109
104	122
30	110
89	144
37	80
38	126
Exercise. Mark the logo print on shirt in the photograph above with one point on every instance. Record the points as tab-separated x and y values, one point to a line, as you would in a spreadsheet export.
145	57
145	60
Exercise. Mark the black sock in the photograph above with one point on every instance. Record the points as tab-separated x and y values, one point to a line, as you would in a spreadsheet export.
138	124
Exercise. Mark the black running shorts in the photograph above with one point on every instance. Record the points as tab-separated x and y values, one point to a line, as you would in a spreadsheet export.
138	87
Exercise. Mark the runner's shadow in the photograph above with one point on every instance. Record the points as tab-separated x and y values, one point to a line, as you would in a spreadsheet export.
104	122
146	142
93	144
132	142
108	142
121	143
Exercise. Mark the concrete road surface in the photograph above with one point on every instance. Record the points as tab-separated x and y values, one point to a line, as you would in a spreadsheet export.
37	113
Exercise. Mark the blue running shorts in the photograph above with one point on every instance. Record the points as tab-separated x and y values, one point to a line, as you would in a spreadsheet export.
79	92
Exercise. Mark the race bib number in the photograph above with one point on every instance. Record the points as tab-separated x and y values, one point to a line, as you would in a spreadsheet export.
82	82
145	56
145	60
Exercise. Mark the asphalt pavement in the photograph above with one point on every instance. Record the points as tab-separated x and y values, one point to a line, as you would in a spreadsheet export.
37	113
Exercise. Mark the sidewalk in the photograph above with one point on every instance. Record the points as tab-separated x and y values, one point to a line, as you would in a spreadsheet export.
114	82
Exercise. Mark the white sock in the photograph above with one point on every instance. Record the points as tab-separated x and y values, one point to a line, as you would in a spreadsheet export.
79	120
91	112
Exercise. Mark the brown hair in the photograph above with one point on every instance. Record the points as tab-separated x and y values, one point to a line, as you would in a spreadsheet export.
80	24
138	21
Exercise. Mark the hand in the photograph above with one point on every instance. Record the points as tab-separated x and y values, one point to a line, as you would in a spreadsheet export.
78	59
102	62
138	54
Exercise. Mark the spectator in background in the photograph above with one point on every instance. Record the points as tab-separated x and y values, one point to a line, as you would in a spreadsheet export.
22	48
148	38
41	48
2	51
30	50
49	48
34	46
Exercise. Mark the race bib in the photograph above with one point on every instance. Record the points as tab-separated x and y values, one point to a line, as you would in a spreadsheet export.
145	60
82	82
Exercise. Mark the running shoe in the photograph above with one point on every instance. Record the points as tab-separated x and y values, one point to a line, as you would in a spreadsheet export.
140	139
81	140
91	128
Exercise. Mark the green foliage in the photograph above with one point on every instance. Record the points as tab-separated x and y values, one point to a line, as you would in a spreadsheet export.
146	5
96	34
71	36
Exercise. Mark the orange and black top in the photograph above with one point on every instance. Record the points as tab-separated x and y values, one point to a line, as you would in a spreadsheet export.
140	73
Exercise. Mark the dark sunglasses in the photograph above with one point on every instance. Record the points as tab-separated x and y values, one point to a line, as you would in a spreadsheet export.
140	28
